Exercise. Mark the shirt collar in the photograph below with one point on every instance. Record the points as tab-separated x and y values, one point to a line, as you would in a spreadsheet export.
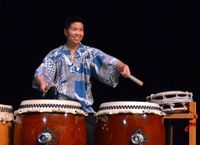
79	49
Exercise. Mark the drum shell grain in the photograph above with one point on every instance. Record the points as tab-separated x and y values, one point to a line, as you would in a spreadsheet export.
117	129
66	127
6	133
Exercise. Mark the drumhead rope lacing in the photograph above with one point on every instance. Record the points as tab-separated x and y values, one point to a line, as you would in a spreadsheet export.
49	106
171	101
129	107
62	106
6	113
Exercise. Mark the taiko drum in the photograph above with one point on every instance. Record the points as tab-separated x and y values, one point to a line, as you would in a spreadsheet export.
50	122
6	124
129	123
172	101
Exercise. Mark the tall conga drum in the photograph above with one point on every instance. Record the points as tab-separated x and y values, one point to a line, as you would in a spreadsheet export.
50	122
129	123
6	124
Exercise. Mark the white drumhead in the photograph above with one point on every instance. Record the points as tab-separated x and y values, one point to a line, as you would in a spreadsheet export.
48	105
6	113
129	107
171	101
170	94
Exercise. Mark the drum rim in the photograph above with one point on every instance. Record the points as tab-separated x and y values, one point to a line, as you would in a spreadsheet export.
121	103
5	108
49	106
171	98
165	93
123	107
6	113
49	101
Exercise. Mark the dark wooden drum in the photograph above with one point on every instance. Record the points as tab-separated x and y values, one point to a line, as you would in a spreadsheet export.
50	122
129	123
6	124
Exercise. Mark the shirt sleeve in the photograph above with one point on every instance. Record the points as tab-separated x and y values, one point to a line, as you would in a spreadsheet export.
47	69
104	67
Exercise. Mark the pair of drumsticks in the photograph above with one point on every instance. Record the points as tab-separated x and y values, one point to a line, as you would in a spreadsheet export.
131	77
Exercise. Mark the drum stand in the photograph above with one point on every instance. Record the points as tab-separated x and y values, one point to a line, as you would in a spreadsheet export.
190	116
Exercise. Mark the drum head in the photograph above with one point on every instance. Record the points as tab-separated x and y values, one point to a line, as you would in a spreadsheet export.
129	107
6	113
48	105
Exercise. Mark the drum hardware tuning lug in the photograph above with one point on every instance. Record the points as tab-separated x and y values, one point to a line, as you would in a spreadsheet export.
138	139
46	137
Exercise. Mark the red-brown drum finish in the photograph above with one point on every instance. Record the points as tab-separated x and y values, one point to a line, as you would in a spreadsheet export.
57	123
129	123
6	124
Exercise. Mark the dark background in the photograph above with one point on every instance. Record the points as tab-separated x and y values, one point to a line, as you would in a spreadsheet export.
158	39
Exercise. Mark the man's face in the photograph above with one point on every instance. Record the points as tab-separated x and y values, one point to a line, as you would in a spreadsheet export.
75	33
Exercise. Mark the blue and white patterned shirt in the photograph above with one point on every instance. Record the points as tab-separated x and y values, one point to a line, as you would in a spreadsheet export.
72	79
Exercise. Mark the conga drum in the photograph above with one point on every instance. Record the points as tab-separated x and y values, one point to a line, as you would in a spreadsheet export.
129	123
6	123
50	122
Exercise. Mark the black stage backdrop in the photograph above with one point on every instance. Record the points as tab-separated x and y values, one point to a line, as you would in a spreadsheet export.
158	39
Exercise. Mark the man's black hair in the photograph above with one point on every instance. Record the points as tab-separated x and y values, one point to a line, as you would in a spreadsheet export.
72	19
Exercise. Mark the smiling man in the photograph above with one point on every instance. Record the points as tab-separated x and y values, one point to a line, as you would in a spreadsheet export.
71	66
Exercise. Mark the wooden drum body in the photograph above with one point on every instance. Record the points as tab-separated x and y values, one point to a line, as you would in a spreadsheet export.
50	122
6	118
129	123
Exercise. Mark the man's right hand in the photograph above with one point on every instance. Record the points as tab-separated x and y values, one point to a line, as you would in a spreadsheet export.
44	87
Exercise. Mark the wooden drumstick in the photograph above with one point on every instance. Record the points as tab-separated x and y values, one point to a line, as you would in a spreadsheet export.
136	80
